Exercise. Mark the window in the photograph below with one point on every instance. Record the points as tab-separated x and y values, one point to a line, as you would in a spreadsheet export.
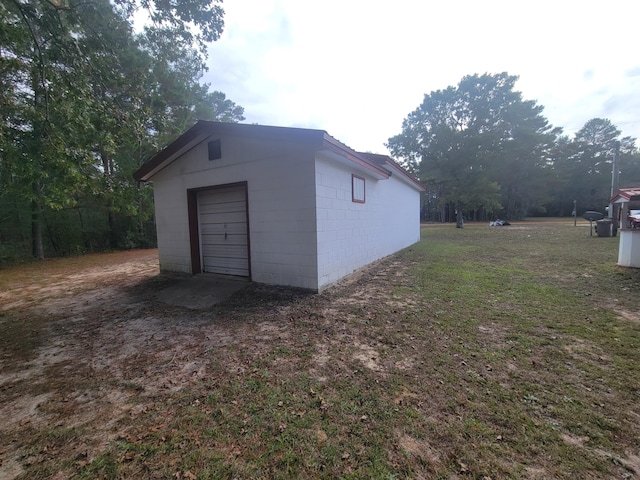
357	189
215	152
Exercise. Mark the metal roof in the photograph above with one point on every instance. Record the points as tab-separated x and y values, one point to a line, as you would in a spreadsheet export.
316	139
388	162
625	195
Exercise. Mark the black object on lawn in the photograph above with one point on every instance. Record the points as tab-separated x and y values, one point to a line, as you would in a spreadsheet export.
592	216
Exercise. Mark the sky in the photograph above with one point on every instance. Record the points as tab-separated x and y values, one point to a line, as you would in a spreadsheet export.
357	68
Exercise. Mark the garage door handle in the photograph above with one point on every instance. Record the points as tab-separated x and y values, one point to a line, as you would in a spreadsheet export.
225	235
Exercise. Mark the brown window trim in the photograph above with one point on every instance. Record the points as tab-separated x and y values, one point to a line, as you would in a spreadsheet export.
353	189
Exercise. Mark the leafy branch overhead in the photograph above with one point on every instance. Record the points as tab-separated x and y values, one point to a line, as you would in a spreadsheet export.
193	21
86	99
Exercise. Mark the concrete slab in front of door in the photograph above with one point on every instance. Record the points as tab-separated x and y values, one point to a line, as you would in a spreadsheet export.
201	291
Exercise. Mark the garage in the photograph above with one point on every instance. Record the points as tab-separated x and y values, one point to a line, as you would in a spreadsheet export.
222	223
276	205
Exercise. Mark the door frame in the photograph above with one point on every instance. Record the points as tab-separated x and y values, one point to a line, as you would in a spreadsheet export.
194	222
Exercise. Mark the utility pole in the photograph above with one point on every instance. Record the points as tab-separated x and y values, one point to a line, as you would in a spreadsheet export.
614	187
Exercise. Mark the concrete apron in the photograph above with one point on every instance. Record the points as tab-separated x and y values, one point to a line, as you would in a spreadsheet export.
201	291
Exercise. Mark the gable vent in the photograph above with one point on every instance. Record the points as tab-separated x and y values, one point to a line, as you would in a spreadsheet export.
215	152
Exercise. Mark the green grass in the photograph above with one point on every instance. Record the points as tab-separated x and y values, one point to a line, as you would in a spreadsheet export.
476	353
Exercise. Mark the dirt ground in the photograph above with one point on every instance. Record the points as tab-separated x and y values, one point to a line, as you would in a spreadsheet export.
90	329
100	326
105	373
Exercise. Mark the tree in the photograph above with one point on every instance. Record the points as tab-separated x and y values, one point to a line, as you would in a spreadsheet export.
480	141
85	100
583	165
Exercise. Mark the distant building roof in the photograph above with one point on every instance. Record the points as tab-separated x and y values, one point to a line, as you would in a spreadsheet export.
625	195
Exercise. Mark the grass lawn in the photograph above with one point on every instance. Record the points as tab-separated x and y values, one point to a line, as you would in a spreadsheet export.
480	353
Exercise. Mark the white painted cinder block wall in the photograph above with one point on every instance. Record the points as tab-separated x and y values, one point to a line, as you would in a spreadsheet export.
281	198
352	235
296	238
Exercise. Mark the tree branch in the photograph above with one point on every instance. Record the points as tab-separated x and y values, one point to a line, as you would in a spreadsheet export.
43	76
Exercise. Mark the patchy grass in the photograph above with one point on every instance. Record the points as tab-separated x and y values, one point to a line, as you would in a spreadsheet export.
479	353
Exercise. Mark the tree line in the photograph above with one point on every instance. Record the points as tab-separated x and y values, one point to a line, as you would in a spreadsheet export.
85	99
484	152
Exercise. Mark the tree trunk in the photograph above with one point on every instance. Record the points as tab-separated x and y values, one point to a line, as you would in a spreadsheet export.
88	245
23	239
459	219
141	230
107	167
37	247
39	135
54	243
113	235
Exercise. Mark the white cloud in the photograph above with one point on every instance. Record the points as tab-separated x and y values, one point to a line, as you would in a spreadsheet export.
356	68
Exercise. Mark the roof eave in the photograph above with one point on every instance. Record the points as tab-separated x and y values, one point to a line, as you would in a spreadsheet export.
317	139
203	129
164	157
333	145
625	195
391	164
407	177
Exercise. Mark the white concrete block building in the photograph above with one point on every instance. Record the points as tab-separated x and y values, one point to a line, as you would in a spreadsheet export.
282	206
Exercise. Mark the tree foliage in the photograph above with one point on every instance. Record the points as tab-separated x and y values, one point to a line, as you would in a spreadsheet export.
583	165
483	149
85	100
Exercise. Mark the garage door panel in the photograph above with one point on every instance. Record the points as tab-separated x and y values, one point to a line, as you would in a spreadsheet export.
215	266
224	235
235	252
223	208
227	217
231	243
222	195
222	228
224	262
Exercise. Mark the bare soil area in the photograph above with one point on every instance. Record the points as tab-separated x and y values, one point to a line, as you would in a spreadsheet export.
94	344
71	326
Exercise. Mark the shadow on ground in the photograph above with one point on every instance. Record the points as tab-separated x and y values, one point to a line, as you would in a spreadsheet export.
199	292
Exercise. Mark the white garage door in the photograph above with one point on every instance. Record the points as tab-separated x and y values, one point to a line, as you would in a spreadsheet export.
223	231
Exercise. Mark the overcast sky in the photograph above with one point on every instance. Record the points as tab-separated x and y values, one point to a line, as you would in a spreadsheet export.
357	68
